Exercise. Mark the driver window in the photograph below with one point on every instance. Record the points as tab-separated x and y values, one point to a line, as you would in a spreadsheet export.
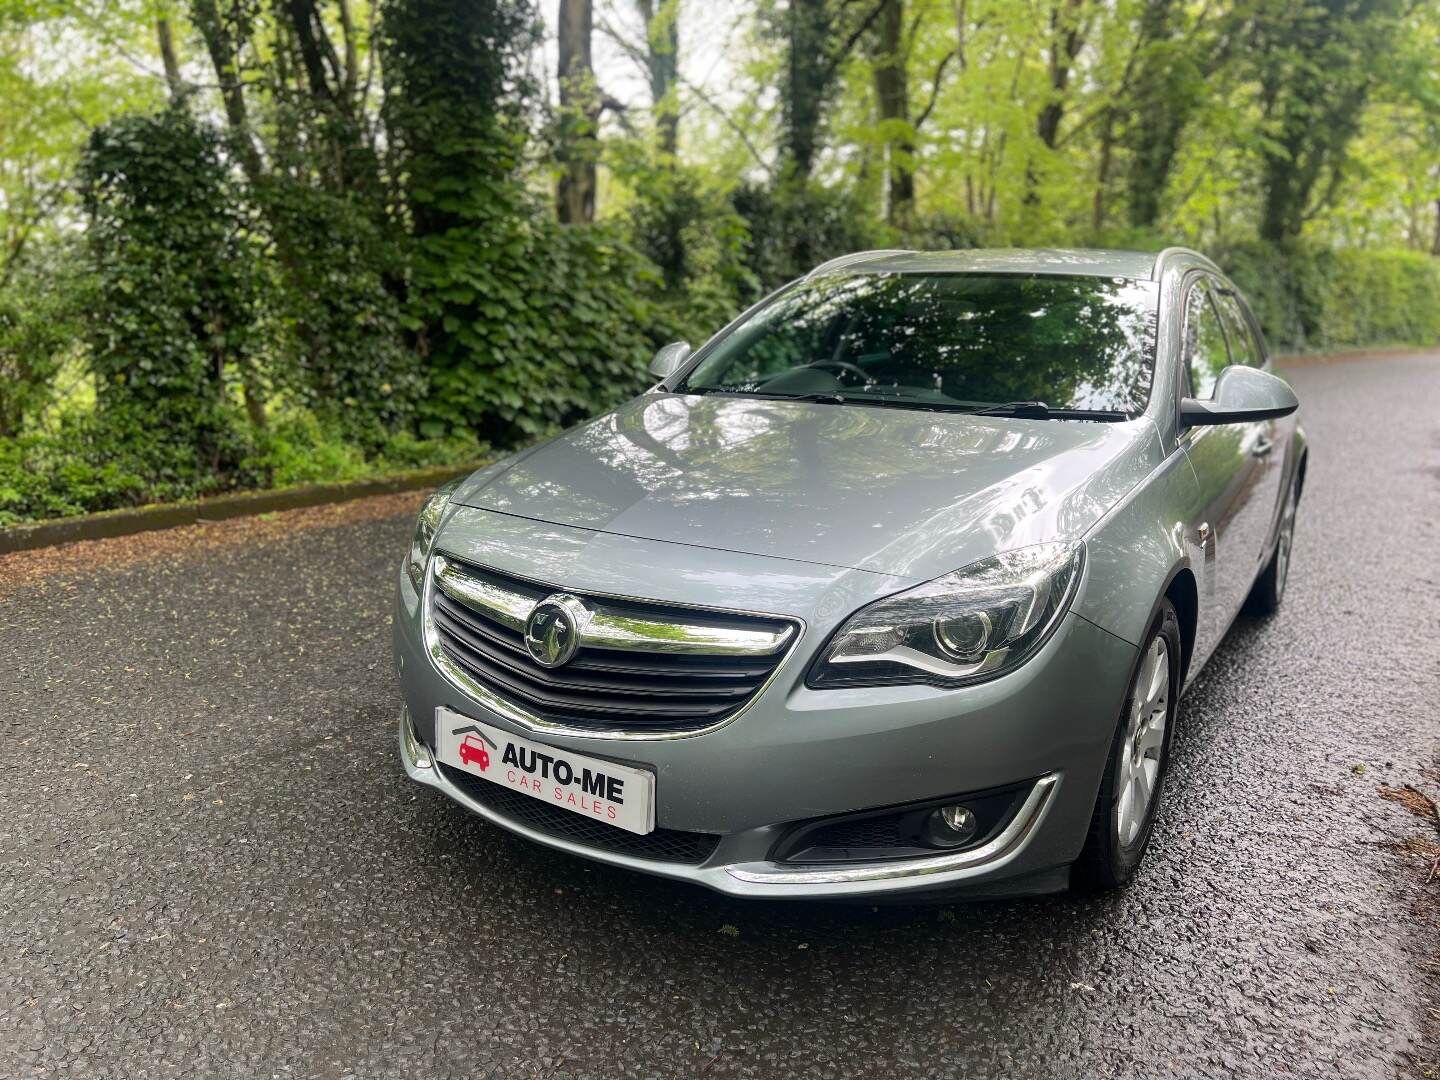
1206	353
1242	340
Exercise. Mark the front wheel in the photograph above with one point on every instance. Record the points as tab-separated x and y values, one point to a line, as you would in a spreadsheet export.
1139	757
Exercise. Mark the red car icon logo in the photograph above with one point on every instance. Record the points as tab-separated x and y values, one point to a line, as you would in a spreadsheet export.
473	752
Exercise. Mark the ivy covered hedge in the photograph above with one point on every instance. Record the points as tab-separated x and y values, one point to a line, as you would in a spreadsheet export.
243	325
1310	298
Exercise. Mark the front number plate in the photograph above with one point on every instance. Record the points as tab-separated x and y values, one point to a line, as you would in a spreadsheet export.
618	795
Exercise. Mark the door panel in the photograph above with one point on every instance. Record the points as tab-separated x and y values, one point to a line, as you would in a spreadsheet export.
1268	439
1231	463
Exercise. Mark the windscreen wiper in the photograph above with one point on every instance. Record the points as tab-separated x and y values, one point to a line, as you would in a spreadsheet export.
1038	410
827	398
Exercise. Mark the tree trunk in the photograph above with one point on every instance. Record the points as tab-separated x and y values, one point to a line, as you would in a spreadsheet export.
662	61
892	93
224	57
962	32
1161	107
805	82
317	54
1102	171
1435	244
352	48
575	191
167	57
1066	41
1313	107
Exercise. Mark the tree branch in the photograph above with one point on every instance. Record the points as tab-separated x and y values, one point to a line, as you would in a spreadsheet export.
633	51
935	88
352	49
730	122
911	33
838	57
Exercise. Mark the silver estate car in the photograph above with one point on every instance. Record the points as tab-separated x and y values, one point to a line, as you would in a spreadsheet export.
890	590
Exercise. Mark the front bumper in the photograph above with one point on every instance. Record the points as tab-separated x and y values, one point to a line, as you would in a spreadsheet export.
771	880
798	754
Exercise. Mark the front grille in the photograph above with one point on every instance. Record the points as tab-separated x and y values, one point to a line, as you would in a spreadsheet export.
641	688
666	845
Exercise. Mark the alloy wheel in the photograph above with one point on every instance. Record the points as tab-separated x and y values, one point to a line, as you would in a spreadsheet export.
1139	764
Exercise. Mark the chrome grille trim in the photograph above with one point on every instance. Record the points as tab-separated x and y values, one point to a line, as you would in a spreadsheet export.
509	608
610	629
503	606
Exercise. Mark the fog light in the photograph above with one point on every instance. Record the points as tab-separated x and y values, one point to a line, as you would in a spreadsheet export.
956	823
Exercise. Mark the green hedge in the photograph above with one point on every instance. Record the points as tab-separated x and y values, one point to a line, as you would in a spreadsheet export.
1314	299
87	464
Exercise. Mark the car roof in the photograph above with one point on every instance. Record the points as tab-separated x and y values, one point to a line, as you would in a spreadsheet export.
1094	262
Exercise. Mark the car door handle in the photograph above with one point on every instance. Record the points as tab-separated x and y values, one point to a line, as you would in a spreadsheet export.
1262	448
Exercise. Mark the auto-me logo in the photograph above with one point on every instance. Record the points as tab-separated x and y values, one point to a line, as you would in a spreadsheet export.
528	767
552	632
475	747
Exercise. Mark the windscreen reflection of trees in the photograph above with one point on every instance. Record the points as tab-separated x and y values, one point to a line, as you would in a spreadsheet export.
1080	343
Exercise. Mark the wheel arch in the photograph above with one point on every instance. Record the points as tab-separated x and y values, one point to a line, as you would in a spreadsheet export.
1184	593
1300	454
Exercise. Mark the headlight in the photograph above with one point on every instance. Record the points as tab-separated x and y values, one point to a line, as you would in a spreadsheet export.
425	526
966	627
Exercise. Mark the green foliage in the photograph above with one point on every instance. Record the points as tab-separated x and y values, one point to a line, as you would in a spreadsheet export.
795	225
1310	298
87	464
341	310
301	448
532	325
177	292
100	462
457	95
42	476
687	226
526	325
331	253
1312	66
39	319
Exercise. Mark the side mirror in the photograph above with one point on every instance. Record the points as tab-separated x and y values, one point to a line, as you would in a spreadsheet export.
668	360
1243	395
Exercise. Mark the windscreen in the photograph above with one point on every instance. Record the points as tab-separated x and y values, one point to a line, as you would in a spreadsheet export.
963	341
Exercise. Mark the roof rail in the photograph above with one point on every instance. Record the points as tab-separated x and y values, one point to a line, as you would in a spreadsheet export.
854	258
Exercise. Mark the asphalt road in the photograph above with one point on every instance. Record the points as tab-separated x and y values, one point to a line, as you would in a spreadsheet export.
211	863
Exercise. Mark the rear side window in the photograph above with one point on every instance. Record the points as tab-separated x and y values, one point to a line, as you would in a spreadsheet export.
1205	349
1243	347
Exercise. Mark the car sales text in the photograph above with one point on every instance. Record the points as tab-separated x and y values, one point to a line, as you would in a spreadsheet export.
526	764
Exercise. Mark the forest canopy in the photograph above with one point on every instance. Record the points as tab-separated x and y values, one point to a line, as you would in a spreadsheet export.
247	243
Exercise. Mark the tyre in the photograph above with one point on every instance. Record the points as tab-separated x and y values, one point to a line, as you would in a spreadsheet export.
1139	759
1269	590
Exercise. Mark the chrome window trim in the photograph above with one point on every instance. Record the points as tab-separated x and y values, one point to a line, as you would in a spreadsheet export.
606	629
524	718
